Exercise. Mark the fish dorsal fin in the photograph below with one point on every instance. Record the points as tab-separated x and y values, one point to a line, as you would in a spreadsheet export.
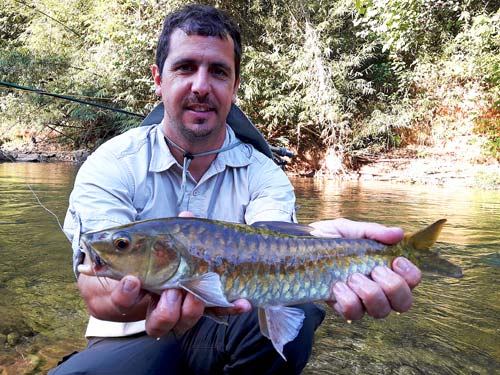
293	229
207	288
280	324
425	238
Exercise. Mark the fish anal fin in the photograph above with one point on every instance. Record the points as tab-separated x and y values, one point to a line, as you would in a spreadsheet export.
425	238
207	288
281	324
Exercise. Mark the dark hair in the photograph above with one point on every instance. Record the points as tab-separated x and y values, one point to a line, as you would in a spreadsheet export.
202	20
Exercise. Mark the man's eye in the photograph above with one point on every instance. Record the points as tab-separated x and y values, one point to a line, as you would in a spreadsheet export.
219	73
185	68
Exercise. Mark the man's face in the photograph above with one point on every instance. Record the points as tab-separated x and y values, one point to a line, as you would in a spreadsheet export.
197	86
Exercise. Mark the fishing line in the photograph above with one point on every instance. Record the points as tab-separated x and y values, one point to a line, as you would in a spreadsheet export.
45	208
105	287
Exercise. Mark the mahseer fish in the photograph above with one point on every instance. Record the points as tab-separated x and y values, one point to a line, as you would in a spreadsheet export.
274	265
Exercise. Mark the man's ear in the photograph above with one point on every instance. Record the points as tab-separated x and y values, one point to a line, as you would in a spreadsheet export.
235	91
155	72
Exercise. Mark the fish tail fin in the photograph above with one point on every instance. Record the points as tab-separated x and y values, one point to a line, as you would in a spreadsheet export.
416	247
425	238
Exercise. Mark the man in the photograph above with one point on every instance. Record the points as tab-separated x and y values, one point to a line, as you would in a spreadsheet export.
192	164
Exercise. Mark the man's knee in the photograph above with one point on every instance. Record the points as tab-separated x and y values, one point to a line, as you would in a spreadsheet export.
125	356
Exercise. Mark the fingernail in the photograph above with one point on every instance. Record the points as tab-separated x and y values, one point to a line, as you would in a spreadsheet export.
340	287
171	295
381	271
403	265
129	286
356	278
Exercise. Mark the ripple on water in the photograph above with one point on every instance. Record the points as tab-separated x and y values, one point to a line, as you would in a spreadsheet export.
452	328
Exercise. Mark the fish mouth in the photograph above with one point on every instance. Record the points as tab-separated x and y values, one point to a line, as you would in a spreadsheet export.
98	264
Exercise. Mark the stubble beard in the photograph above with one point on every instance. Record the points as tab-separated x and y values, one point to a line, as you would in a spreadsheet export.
195	133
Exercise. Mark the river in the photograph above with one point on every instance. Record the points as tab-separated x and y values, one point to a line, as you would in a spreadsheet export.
453	328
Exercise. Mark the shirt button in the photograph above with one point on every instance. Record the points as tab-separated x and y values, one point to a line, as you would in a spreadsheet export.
195	192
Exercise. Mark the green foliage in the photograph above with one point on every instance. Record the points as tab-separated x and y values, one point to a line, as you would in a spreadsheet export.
95	50
408	28
357	74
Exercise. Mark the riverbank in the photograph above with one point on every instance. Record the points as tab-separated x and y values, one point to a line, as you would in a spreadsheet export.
429	166
458	164
459	160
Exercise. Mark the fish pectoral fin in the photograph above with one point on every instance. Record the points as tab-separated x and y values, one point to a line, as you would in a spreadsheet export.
280	324
207	288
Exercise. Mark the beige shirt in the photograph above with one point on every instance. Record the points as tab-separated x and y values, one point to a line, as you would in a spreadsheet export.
135	177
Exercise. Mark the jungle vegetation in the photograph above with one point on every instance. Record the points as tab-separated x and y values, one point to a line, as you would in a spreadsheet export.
352	77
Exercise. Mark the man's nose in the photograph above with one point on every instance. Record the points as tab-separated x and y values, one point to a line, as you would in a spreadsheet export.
201	84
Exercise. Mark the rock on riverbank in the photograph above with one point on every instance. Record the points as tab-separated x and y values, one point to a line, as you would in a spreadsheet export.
16	155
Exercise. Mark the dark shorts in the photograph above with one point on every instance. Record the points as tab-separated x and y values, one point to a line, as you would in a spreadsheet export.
207	348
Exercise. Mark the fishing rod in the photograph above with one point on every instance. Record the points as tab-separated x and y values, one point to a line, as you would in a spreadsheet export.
254	138
70	98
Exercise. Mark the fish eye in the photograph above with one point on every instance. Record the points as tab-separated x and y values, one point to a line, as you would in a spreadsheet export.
121	241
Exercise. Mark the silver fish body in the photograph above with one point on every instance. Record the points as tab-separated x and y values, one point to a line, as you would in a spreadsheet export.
220	262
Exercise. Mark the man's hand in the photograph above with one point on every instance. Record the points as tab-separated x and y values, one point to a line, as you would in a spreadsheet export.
125	301
387	289
179	311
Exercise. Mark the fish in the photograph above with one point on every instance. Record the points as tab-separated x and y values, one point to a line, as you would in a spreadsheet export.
274	265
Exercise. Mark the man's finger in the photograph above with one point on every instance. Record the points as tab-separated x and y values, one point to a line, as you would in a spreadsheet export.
408	271
374	299
395	288
191	311
240	306
126	294
164	313
347	303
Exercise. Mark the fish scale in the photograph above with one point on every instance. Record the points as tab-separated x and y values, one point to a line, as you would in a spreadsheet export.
280	269
219	262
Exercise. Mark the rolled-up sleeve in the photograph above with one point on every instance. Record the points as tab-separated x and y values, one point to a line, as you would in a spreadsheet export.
272	194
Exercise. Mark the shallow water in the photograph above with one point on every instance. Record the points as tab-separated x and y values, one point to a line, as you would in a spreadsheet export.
454	325
453	328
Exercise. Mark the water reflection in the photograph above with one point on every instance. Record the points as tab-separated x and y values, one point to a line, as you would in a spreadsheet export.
39	301
453	327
